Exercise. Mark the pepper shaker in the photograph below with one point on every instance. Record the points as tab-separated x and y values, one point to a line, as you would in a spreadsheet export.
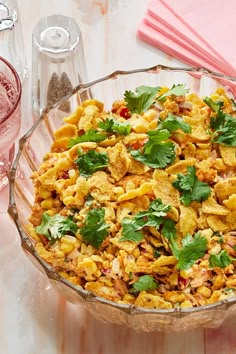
58	62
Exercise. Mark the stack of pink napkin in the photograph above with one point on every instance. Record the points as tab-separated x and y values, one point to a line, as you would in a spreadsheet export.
199	32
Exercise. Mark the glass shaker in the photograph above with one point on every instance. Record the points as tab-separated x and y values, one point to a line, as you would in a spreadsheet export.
58	62
11	38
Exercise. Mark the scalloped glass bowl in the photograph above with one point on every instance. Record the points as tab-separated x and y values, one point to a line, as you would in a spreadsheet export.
37	142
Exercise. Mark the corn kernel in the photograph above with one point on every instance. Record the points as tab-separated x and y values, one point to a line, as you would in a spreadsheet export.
44	193
47	204
64	275
204	291
60	254
150	115
136	252
186	303
63	164
173	279
66	247
219	281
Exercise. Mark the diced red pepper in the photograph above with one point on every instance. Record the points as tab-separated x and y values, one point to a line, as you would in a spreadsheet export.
183	283
124	112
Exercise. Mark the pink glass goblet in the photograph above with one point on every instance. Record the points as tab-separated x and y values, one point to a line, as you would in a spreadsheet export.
10	117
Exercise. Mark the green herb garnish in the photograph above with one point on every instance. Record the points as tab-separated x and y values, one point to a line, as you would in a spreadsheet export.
172	123
221	260
142	99
131	230
91	162
56	226
114	126
192	249
95	229
190	187
158	152
176	90
91	135
154	216
145	282
223	125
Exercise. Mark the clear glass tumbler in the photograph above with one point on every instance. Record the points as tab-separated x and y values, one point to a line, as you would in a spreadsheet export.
58	62
11	38
10	117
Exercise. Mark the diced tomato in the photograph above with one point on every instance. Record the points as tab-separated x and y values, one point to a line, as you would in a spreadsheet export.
183	283
124	112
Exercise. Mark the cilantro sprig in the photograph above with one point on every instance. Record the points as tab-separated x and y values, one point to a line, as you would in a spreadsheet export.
56	226
220	260
158	151
172	123
190	187
145	282
223	125
95	230
91	135
131	230
145	96
91	162
142	99
114	126
155	216
176	90
193	248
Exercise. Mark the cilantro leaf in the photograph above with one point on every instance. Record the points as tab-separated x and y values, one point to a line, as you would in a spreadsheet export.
145	282
223	125
142	99
172	123
91	162
221	260
90	135
215	106
176	90
201	191
192	249
56	226
114	126
156	208
154	216
95	229
190	187
158	152
131	230
169	229
226	133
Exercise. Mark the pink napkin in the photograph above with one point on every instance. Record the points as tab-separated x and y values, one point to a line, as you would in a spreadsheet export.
166	20
157	39
211	60
161	27
212	21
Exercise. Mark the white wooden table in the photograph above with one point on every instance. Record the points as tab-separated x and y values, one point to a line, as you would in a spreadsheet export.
34	319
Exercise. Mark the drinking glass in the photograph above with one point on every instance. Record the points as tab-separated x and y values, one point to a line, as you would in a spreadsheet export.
58	62
10	117
11	38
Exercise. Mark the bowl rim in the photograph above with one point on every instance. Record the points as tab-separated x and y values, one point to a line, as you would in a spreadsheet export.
26	242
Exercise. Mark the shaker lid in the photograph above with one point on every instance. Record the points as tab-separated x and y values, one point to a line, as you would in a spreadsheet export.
8	17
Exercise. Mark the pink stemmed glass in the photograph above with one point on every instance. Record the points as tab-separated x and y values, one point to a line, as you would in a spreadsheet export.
10	117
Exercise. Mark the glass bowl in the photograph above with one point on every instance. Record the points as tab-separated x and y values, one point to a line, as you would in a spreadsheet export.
36	143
